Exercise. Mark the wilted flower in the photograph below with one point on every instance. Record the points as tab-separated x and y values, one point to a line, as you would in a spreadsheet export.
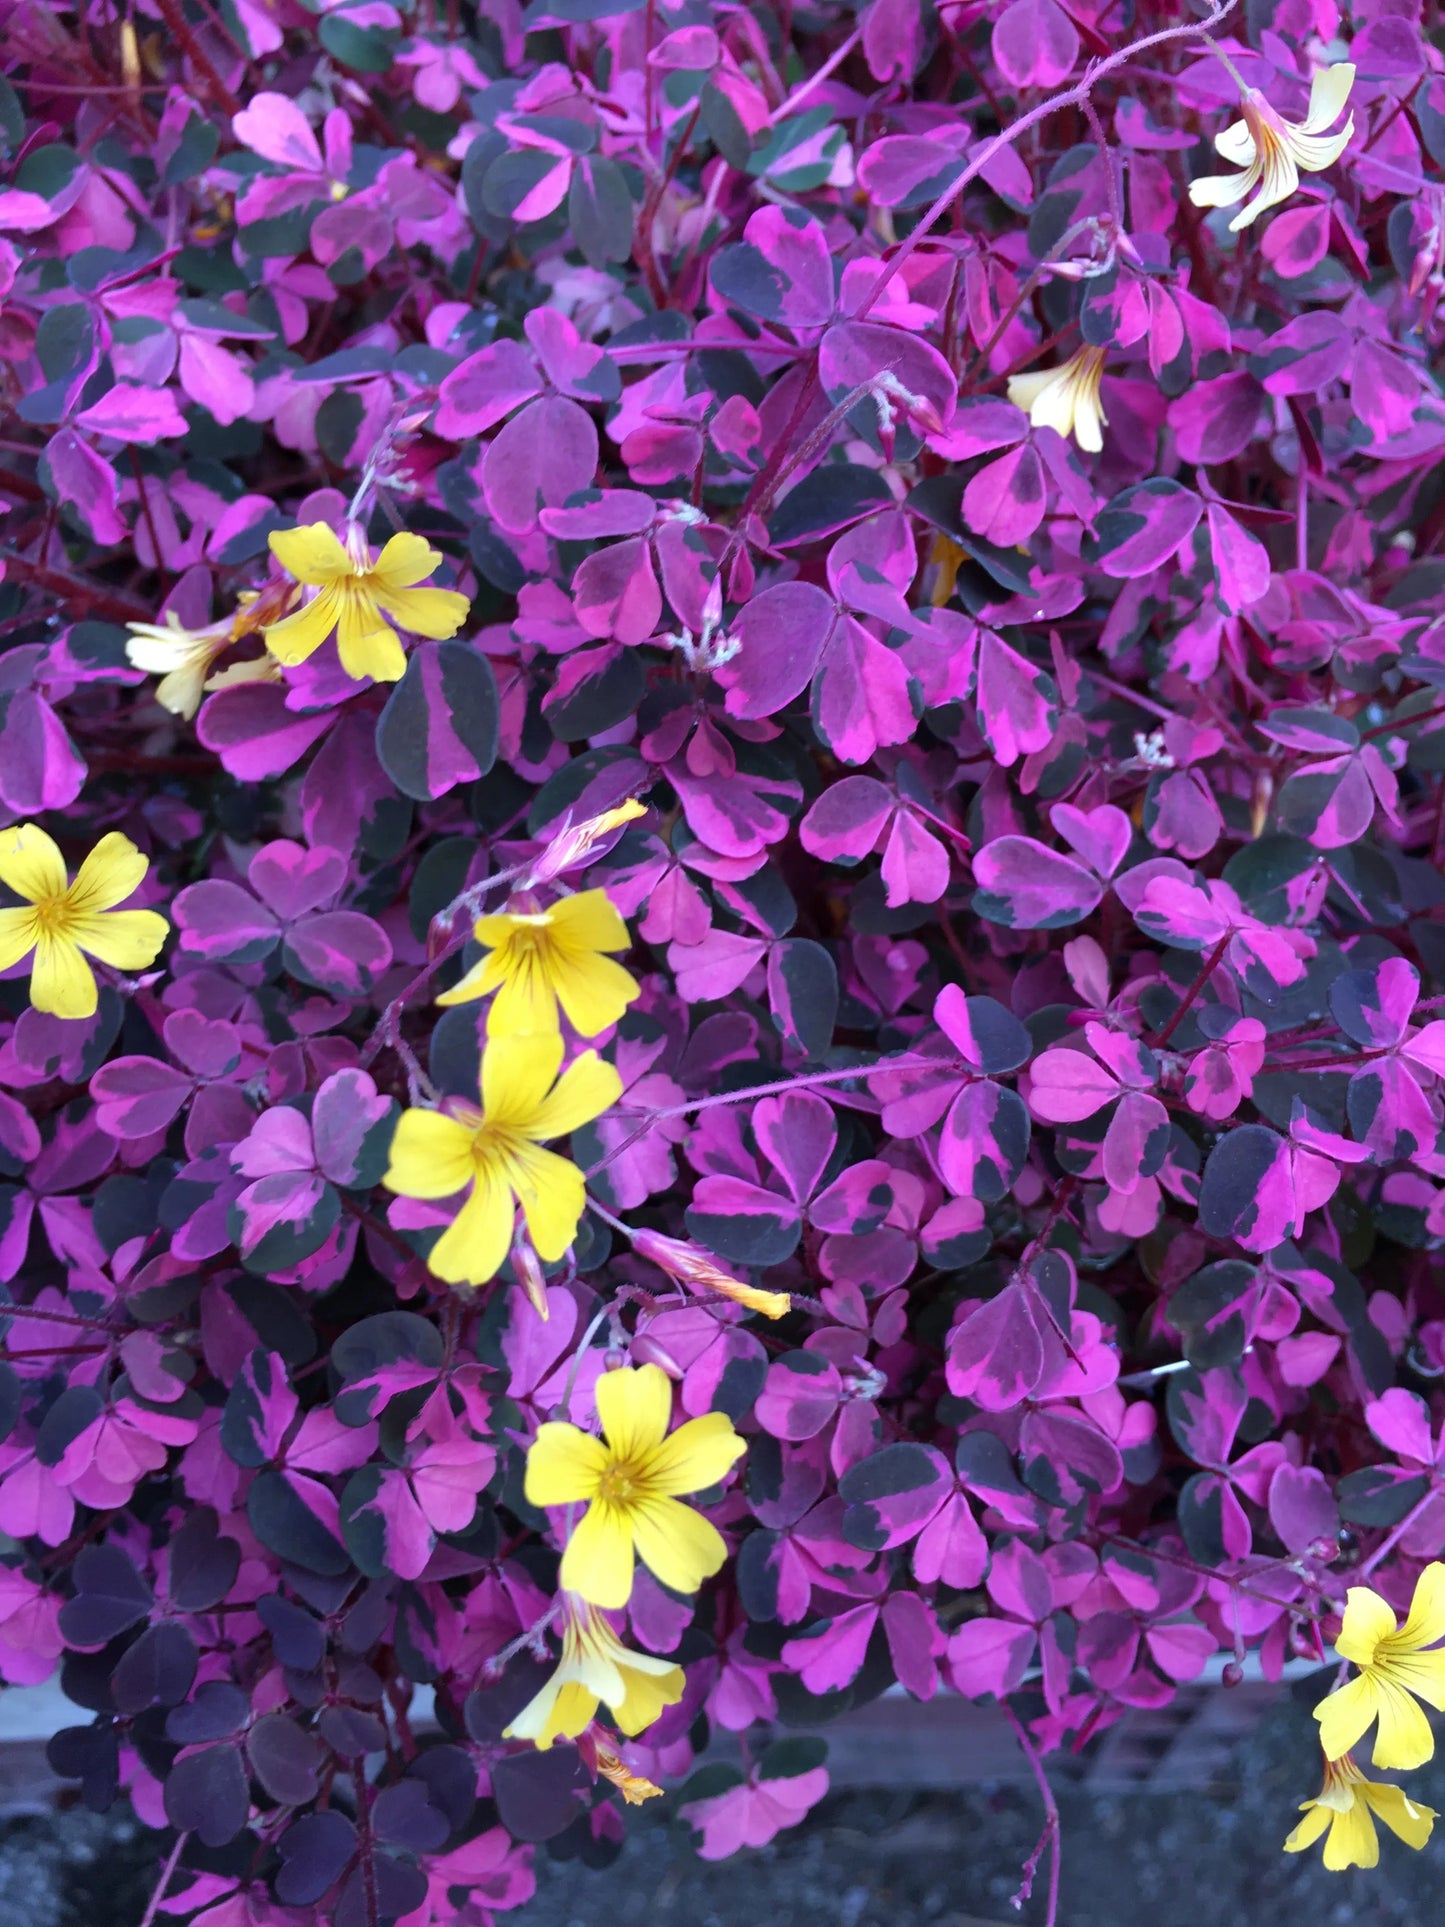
496	1155
1348	1805
357	594
1272	150
629	1481
1066	398
633	1787
695	1267
1394	1670
60	919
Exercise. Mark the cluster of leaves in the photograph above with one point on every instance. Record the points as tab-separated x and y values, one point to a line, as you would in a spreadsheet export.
1038	902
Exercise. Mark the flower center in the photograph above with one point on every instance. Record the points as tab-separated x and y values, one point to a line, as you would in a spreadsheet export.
619	1484
51	913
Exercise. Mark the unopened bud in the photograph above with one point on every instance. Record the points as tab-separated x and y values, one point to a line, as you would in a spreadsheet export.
574	842
1233	1674
527	1268
694	1267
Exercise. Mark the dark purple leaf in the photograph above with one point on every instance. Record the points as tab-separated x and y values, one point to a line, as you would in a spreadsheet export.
206	1794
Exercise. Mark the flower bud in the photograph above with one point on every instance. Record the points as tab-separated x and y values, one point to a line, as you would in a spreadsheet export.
696	1268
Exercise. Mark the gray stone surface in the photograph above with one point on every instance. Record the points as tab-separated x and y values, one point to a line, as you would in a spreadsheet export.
880	1858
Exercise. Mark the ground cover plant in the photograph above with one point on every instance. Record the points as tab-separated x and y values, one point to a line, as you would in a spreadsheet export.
722	974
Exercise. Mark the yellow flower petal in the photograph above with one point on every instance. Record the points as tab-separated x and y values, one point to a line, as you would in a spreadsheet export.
635	1407
435	613
480	981
590	920
1403	1738
1220	190
1345	1715
517	1073
588	1087
298	636
431	1156
18	934
1420	1673
1329	90
1316	1819
652	1686
114	870
1367	1620
31	864
552	1197
597	1563
697	1455
1425	1624
474	1246
1407	1819
526	1004
1352	1840
593	990
406	560
366	644
564	1465
312	554
543	1719
677	1544
125	939
62	983
1236	144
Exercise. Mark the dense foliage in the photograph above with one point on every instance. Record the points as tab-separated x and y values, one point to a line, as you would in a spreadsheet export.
847	527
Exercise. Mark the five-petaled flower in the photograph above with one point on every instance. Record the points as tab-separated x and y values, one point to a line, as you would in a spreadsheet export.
60	919
1066	398
1272	150
595	1666
495	1155
356	594
629	1481
1394	1668
1348	1805
538	958
183	658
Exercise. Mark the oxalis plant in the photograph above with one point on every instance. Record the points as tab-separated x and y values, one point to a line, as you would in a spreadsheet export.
722	977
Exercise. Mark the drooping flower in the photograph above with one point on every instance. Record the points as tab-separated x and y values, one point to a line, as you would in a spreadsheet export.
595	1666
538	958
1272	150
496	1155
356	595
1395	1672
60	919
695	1267
1348	1805
183	658
629	1481
1066	398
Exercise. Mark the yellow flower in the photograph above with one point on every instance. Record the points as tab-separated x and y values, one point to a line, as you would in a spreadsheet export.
356	596
629	1481
495	1155
1393	1666
539	958
595	1665
60	919
694	1266
1347	1805
633	1787
1066	398
1272	150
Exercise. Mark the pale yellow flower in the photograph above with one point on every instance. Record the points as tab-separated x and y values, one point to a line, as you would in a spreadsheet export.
1066	398
59	919
1346	1809
356	594
1272	150
183	657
